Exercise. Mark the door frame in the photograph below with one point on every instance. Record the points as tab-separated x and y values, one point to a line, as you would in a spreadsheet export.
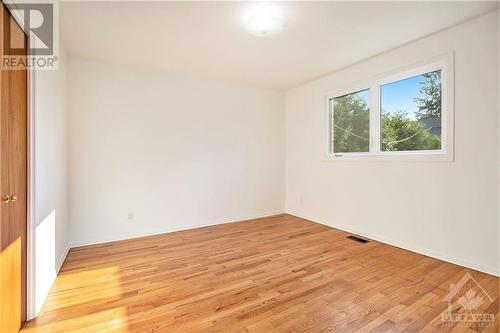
31	201
30	301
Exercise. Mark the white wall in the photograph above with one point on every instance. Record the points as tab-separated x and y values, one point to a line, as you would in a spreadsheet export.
50	178
449	210
174	151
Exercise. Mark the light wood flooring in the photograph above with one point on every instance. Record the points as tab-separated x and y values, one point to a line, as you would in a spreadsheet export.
274	274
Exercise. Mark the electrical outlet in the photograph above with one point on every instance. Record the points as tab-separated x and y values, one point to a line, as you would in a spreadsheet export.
130	216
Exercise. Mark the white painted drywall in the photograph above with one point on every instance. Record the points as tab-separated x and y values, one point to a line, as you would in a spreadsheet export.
208	39
50	164
448	210
172	151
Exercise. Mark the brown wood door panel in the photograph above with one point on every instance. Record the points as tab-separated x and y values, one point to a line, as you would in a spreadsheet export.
13	182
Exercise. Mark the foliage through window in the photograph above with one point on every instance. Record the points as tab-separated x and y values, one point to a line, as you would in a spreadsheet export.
408	117
351	123
411	113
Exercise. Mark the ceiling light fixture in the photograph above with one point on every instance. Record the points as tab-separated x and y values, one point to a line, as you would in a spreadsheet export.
263	19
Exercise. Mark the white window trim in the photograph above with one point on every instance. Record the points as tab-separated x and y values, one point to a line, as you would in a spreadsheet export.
445	63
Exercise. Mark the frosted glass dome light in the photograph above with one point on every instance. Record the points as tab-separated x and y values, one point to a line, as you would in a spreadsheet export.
263	19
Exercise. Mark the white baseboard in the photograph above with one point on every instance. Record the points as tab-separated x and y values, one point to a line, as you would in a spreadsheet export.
52	278
95	241
411	247
379	238
62	257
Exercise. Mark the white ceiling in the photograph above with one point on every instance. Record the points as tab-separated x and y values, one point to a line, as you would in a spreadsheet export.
206	39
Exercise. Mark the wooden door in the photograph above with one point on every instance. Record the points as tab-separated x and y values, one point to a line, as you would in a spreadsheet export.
13	183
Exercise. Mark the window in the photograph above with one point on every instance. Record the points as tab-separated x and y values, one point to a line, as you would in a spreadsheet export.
350	123
403	114
411	113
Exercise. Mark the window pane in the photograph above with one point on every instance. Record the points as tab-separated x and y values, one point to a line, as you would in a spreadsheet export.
350	123
411	113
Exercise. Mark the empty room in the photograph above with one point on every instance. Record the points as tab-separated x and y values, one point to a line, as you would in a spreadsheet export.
249	166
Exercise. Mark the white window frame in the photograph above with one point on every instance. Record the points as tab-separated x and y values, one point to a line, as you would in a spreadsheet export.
446	153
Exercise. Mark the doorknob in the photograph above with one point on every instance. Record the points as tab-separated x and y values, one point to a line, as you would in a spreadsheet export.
8	198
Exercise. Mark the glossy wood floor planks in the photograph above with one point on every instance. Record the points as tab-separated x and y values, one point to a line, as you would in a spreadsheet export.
274	274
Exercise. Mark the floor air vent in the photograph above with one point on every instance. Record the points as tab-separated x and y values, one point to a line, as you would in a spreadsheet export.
357	239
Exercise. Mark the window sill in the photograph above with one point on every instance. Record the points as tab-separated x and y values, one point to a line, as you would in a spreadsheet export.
392	157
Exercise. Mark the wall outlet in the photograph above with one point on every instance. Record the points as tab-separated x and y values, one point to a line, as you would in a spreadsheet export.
130	216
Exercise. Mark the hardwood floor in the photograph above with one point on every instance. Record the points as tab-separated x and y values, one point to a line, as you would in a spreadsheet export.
275	274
